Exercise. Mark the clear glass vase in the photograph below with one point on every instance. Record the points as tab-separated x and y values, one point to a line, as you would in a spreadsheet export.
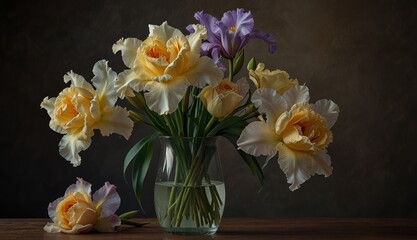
189	188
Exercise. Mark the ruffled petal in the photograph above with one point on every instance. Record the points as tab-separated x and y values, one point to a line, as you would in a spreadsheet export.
86	215
79	186
95	108
258	139
242	21
103	81
108	224
182	55
126	82
106	200
266	37
70	147
296	141
297	166
163	97
243	87
128	47
204	72
281	122
296	94
195	40
210	23
164	31
49	105
78	81
269	102
322	163
52	208
51	228
79	229
328	109
115	120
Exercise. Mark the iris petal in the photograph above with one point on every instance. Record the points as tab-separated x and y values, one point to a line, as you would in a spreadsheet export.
241	21
232	33
210	23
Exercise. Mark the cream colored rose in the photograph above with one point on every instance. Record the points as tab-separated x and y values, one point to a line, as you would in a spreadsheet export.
278	80
79	109
302	129
74	111
224	98
76	212
298	131
164	65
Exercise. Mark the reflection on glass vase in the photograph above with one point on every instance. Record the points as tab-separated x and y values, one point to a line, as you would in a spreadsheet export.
189	188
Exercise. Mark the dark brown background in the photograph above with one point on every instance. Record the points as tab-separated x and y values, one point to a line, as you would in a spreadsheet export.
360	54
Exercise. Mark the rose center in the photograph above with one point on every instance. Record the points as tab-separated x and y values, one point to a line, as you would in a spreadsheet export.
226	87
156	53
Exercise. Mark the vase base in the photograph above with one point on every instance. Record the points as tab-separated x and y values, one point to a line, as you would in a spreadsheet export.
190	231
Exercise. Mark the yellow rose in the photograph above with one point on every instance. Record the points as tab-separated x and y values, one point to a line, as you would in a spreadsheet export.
72	111
278	80
224	98
79	109
76	209
164	65
295	129
76	212
302	129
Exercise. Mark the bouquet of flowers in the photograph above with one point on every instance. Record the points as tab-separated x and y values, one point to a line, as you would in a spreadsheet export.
187	86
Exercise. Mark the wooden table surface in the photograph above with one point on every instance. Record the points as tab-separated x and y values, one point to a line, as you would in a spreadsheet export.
236	228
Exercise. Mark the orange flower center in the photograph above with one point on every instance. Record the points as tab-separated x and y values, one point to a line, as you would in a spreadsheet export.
226	86
153	52
232	28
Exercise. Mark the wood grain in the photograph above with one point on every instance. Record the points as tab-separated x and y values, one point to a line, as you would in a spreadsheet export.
237	228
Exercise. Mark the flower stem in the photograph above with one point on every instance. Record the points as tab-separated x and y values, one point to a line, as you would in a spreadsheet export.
169	124
231	70
209	124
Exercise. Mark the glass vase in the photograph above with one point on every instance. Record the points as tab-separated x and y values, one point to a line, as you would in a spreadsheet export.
189	188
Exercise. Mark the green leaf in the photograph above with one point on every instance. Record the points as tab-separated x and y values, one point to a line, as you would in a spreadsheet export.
136	224
133	152
251	64
140	166
224	124
253	165
128	215
124	219
238	62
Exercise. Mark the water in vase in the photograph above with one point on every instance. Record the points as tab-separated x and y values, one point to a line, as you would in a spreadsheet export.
189	210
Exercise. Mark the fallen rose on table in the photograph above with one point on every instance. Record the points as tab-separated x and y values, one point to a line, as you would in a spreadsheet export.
77	212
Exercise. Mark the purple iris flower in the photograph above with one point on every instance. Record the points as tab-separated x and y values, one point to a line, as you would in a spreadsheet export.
229	35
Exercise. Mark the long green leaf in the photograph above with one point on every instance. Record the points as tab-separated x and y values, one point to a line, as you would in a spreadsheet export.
129	215
132	223
133	152
224	124
140	167
253	165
